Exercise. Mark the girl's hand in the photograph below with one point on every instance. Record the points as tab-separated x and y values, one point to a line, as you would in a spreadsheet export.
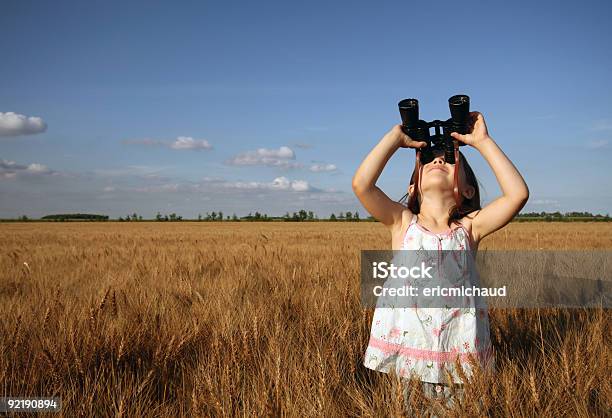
478	127
403	140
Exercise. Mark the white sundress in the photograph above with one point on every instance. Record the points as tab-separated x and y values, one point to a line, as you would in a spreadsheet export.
426	341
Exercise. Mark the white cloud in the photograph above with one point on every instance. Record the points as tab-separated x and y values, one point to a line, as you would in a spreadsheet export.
142	171
282	157
180	143
300	186
187	142
215	185
279	183
170	187
320	167
10	169
37	168
544	202
14	124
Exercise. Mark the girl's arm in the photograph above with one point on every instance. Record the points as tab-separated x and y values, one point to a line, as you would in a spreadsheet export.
376	202
515	192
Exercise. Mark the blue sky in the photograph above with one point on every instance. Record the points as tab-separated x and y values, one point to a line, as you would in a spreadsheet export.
114	107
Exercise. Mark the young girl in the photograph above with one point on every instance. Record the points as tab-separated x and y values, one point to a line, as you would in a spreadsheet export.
427	341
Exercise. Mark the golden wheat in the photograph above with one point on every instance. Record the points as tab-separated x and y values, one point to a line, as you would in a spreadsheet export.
259	319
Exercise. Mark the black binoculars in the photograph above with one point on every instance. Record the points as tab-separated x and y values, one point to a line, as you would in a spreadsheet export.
419	129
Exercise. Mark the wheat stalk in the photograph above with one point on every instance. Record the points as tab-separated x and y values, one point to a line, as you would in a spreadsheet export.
534	390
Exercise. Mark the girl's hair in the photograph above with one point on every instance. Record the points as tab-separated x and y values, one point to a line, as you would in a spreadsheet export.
467	205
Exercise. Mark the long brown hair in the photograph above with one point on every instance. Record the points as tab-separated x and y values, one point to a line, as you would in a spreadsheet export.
467	205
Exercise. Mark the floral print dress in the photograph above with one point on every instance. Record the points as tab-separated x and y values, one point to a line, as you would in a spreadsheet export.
426	341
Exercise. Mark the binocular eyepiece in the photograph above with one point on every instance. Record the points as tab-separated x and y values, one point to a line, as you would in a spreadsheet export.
418	130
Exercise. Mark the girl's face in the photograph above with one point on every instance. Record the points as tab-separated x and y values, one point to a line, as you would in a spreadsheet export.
438	175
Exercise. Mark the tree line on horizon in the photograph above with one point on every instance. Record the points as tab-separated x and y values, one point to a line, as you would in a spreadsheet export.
299	216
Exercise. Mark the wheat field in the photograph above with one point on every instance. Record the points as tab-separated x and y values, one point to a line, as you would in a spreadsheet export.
258	319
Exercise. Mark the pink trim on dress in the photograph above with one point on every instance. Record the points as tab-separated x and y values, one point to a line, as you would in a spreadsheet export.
438	356
447	233
467	234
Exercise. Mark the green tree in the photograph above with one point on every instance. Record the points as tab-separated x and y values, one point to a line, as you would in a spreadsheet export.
303	215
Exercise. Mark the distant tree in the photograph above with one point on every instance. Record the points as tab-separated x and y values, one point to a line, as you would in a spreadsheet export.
356	216
80	216
349	216
310	215
332	217
158	217
234	217
23	218
220	216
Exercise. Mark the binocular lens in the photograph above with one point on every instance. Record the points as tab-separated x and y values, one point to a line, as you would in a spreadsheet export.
460	108
409	111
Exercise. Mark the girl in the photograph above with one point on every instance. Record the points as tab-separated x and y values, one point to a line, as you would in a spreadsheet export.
427	341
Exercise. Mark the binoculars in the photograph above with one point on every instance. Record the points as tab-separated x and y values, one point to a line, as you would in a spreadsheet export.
419	129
